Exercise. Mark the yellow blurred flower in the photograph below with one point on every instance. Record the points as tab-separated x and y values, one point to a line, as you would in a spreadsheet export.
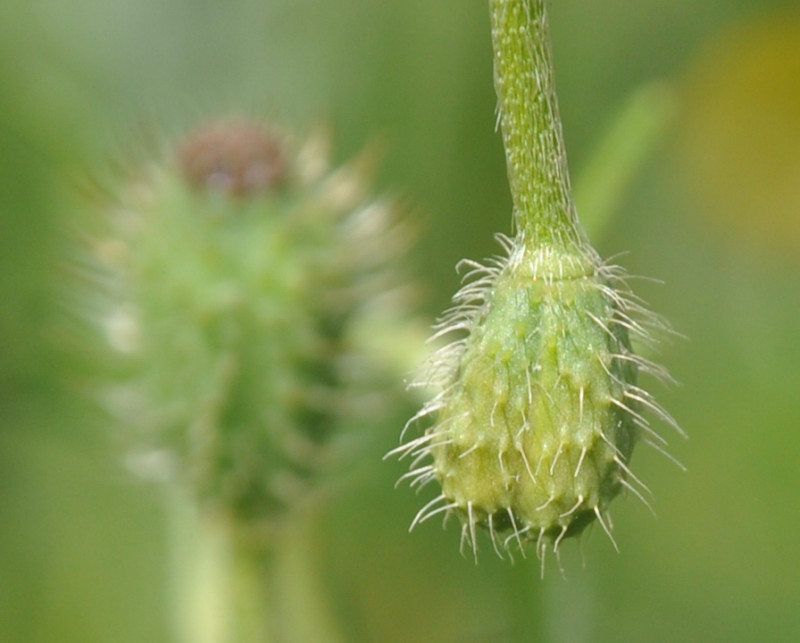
740	143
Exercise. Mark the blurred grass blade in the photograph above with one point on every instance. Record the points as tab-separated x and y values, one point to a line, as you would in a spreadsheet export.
635	133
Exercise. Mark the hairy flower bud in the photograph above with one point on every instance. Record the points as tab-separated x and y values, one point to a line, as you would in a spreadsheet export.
241	277
538	405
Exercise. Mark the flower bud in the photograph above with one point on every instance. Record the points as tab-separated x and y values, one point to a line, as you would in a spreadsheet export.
539	406
241	276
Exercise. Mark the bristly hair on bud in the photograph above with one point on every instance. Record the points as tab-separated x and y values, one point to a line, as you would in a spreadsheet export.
537	405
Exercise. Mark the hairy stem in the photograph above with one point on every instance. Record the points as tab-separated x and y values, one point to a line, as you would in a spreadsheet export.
544	211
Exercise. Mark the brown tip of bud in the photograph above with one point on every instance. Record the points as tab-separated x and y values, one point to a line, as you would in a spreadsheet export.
236	158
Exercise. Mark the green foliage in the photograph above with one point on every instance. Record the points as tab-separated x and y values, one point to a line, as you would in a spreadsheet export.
82	552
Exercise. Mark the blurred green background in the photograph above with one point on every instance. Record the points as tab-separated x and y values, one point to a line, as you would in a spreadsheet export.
714	213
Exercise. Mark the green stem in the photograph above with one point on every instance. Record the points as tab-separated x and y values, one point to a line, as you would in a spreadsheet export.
568	609
544	211
256	610
525	596
229	589
305	603
222	593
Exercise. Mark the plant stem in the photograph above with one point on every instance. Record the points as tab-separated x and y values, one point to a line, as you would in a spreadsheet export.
305	605
525	599
544	211
232	590
222	593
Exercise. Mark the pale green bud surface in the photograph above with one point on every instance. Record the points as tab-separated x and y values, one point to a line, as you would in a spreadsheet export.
536	427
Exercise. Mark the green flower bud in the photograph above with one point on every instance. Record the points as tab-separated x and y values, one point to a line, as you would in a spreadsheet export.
538	405
242	275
